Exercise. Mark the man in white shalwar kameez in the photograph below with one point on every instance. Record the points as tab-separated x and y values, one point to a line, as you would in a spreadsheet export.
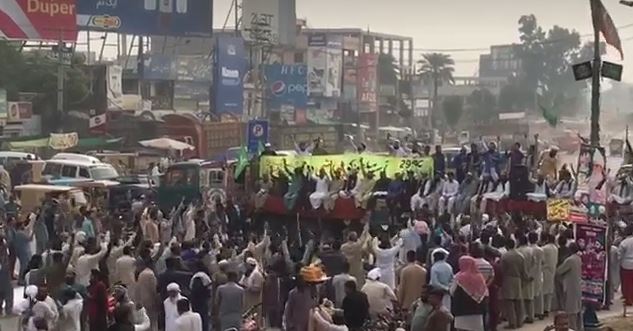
171	308
187	320
386	259
322	189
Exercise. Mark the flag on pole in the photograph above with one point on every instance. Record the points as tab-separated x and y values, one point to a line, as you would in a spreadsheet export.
602	22
242	161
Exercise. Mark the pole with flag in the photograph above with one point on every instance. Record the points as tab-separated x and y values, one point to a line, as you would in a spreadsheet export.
602	23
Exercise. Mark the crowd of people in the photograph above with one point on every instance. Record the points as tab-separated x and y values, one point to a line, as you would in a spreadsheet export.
209	265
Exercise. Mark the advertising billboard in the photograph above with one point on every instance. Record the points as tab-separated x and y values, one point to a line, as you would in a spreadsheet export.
181	18
42	20
287	85
229	69
334	63
317	64
349	77
367	76
115	87
273	21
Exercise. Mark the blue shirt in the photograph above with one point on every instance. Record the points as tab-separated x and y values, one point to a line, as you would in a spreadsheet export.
441	275
88	228
395	188
491	160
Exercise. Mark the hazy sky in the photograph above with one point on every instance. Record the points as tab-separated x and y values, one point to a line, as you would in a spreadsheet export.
450	24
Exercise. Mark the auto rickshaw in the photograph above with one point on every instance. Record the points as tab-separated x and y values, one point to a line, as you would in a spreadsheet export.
32	195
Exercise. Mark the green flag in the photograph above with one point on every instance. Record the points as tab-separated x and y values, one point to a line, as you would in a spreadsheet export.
242	161
550	113
260	148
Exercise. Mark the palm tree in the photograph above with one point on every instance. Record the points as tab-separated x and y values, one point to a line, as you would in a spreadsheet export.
436	69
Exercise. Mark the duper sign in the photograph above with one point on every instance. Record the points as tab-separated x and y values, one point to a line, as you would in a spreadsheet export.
45	20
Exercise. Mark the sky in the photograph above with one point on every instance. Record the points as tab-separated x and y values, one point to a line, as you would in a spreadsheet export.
457	24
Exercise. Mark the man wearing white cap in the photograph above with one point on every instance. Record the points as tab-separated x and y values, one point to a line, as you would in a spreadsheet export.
171	306
379	295
253	283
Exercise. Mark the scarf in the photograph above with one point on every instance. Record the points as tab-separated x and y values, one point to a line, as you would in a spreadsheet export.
470	279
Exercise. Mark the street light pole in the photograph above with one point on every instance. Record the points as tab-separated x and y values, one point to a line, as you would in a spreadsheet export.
595	85
60	77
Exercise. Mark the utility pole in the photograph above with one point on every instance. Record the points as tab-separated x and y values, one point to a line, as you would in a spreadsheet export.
595	83
60	77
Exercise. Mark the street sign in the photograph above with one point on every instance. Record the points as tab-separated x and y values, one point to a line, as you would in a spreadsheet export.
611	70
583	70
257	134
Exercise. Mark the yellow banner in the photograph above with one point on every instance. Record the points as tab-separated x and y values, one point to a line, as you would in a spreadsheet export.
558	209
369	162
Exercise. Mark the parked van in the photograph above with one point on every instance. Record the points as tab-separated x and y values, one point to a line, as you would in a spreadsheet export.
56	168
7	157
76	157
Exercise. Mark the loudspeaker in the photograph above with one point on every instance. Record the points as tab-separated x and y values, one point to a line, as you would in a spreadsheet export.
520	183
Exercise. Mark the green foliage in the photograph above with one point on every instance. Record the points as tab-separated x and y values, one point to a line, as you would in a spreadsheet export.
36	72
436	69
388	71
453	109
546	60
482	105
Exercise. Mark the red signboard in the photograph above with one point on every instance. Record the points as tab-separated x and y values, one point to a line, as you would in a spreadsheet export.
367	76
50	20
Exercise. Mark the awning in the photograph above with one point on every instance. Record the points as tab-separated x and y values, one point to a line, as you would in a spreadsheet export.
28	144
84	143
97	142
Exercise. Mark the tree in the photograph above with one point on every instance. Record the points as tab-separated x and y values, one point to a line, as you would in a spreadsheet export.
436	69
546	59
482	105
453	109
388	70
36	72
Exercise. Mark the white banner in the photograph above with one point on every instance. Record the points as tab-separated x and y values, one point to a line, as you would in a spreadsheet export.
317	70
96	121
62	141
114	87
334	60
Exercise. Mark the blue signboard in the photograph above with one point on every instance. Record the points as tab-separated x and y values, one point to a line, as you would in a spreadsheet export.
147	17
257	134
287	85
229	69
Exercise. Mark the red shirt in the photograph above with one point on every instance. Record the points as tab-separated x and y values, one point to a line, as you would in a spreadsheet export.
97	299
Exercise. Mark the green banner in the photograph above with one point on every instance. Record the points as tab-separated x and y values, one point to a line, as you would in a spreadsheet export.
369	162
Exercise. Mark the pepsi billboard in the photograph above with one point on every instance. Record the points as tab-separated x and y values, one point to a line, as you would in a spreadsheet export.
287	84
229	70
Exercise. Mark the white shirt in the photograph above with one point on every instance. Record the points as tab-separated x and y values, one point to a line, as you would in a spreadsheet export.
125	267
625	251
71	315
189	321
171	313
86	263
450	188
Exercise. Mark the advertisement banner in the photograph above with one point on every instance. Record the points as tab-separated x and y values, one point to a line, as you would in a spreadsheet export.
19	111
334	62
591	240
191	91
159	67
114	86
349	78
41	20
193	69
180	18
369	163
3	103
367	82
273	21
229	69
591	193
257	134
317	64
287	85
62	141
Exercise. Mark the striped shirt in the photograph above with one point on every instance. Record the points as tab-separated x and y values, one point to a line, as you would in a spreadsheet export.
485	268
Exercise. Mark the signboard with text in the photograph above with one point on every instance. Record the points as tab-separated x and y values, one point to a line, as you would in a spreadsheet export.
41	20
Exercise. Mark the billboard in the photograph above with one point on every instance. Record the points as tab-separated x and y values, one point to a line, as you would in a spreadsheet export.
114	86
592	241
3	103
19	111
159	67
349	77
273	21
257	134
334	63
48	20
180	18
317	64
287	84
367	76
229	69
